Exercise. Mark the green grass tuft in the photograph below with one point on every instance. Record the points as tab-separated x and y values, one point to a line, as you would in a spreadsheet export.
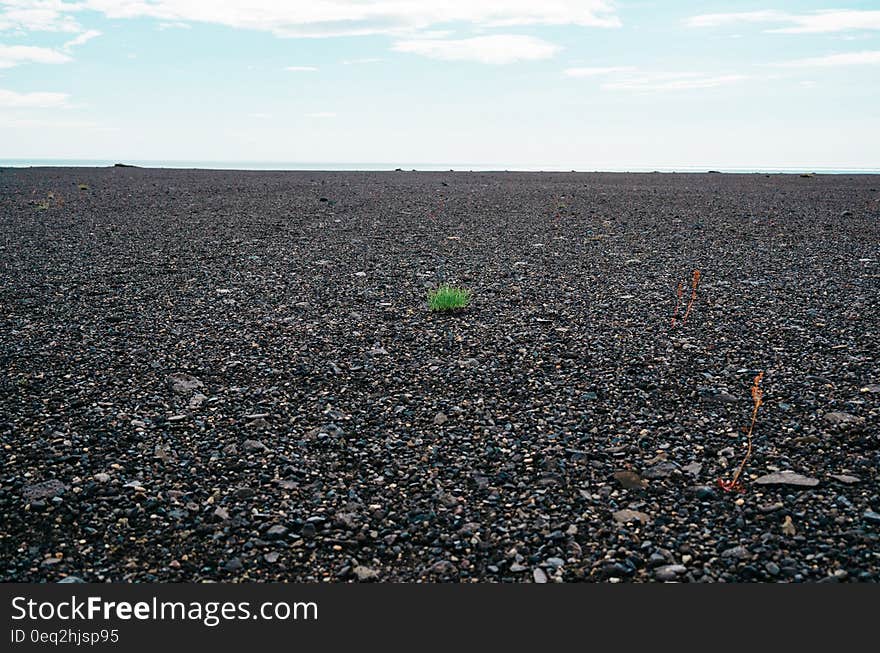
448	298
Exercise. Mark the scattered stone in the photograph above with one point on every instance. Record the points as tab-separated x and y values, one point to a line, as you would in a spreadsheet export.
630	480
739	552
365	574
693	469
44	490
197	400
442	568
243	492
539	575
626	516
221	513
668	573
787	478
330	430
440	419
843	502
846	479
253	446
660	470
277	531
705	492
838	418
184	384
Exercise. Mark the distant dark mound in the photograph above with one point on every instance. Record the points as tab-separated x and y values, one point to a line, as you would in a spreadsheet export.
124	165
714	172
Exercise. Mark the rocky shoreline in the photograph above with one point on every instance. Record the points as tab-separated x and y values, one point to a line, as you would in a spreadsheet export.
233	376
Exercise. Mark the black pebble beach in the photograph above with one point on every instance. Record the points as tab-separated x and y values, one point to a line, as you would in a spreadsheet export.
221	375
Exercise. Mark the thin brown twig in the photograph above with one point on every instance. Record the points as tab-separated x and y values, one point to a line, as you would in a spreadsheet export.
757	399
695	281
679	293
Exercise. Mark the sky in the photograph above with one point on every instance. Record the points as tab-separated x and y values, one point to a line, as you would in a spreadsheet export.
532	84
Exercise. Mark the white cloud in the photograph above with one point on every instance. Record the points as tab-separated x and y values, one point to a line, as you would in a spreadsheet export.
315	18
497	49
38	15
833	21
13	55
719	20
321	114
81	38
595	72
807	23
40	100
260	116
301	69
868	57
629	78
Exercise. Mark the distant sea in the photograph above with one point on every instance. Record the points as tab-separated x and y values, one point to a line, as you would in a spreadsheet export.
461	167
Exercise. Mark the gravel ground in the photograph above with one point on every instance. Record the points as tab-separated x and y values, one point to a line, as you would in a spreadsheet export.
234	376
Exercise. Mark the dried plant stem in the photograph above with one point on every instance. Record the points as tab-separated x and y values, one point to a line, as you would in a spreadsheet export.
679	293
757	399
748	455
695	281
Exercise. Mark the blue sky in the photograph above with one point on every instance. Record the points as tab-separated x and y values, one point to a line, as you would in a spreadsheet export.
515	83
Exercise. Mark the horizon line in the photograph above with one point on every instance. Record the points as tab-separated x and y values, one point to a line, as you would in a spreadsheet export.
376	166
